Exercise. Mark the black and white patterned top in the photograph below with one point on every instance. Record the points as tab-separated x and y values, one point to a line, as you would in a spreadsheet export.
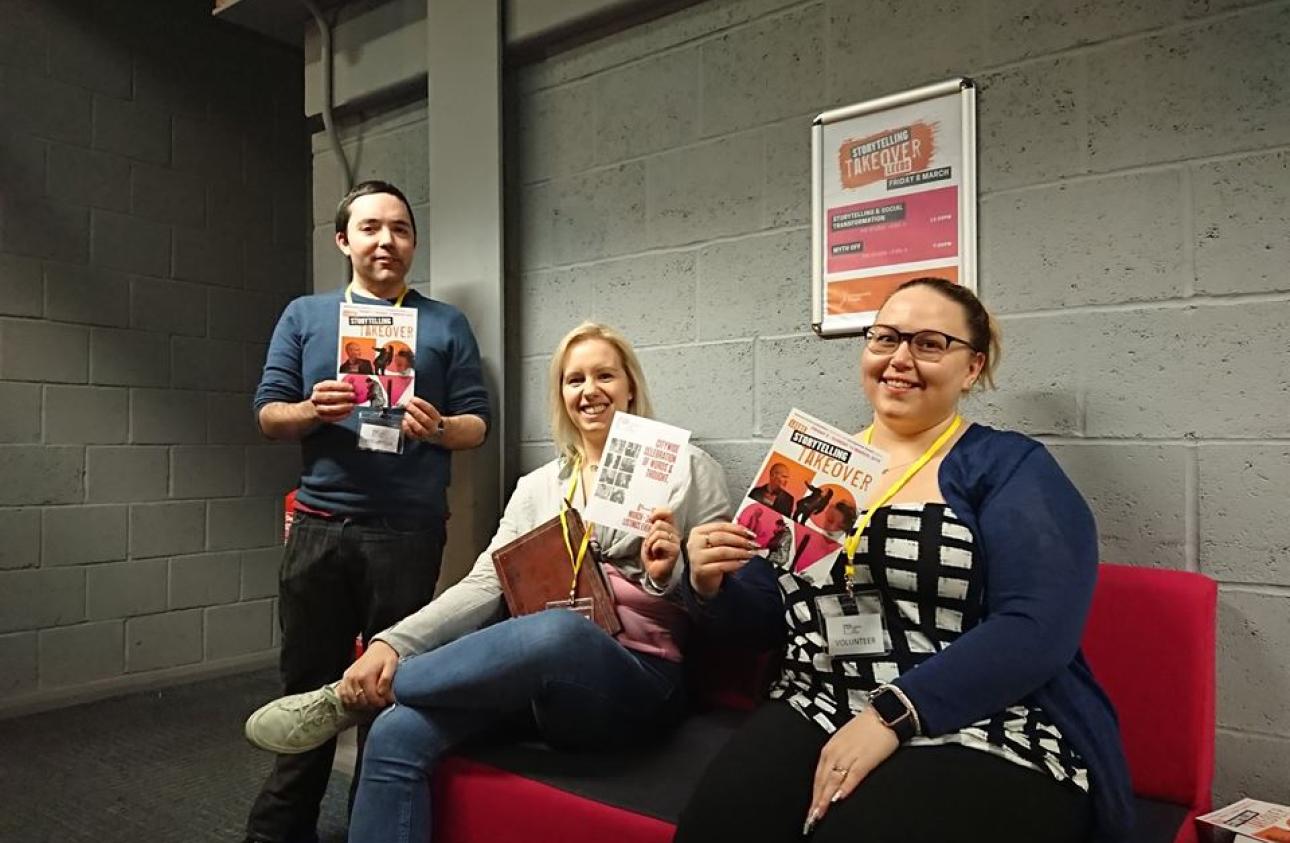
930	590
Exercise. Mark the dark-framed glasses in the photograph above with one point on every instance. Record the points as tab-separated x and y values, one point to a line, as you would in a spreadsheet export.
928	345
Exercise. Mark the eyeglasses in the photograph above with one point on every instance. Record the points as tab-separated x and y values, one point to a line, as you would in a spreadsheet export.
930	346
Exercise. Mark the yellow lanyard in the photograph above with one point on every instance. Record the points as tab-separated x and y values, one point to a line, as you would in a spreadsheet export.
575	560
349	297
853	540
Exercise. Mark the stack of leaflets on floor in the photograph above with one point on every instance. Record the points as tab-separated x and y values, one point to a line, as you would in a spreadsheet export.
808	494
642	461
1253	819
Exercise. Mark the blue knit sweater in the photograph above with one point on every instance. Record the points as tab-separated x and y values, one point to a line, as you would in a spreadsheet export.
1039	545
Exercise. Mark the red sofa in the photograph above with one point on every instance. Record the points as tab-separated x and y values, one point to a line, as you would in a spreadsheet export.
1150	640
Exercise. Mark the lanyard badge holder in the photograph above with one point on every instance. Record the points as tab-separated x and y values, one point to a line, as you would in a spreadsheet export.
584	606
853	623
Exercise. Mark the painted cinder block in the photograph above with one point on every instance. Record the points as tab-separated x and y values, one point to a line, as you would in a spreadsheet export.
764	71
125	589
1244	532
230	420
208	148
168	195
85	177
126	474
1029	125
755	286
21	287
19	538
20	412
597	214
272	470
1242	221
535	455
18	663
1017	29
129	358
43	229
860	66
1250	765
166	416
239	629
243	523
787	200
242	315
206	471
130	244
551	302
649	298
168	639
23	168
280	267
36	599
167	529
41	474
260	568
91	55
820	377
84	294
43	351
133	129
24	40
1038	379
168	306
44	107
204	579
76	535
1138	495
86	415
206	364
644	107
73	655
534	404
690	386
1253	661
1208	89
706	191
208	256
1109	240
557	126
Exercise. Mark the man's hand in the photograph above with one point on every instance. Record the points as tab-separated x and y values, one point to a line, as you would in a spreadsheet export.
366	684
421	420
717	549
332	401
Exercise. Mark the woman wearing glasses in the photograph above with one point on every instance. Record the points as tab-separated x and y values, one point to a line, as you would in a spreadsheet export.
877	729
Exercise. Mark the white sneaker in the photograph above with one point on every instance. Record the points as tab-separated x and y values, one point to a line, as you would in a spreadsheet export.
301	722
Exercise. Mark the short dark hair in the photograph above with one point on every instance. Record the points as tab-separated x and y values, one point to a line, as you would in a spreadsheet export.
367	188
983	330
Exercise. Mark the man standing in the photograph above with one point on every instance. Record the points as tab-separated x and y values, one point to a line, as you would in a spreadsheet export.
367	535
772	493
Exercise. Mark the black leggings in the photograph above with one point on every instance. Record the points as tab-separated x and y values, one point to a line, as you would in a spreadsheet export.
758	788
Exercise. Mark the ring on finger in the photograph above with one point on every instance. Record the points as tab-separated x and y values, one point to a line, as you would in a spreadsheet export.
842	770
707	541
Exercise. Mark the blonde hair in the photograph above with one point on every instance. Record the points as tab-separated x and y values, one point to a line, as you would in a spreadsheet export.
567	438
983	329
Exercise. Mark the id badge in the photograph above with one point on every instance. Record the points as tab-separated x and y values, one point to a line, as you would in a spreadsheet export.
380	430
584	606
853	626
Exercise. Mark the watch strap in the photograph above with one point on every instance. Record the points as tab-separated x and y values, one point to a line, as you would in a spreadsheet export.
895	712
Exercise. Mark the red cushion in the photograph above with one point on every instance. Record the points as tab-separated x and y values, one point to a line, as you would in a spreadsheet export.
474	802
1150	642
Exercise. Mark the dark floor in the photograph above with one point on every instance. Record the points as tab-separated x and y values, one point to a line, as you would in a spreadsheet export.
158	766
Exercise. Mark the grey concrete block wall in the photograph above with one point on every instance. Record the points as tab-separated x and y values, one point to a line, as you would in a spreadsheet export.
1134	176
154	221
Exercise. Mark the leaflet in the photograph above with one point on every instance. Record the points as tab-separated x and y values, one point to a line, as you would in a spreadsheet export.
642	461
376	353
808	494
1253	819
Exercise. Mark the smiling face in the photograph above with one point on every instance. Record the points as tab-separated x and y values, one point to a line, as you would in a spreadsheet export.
916	394
594	386
378	240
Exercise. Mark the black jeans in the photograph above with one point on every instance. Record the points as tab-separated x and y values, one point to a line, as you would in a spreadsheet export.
758	790
339	577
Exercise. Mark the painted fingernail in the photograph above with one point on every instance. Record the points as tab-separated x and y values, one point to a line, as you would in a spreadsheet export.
836	796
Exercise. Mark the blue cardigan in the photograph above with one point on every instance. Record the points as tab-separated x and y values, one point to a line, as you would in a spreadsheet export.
1039	543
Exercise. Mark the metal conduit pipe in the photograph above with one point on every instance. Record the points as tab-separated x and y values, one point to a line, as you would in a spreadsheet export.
324	31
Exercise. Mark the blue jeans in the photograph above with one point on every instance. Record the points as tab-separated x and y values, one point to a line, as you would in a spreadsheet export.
582	687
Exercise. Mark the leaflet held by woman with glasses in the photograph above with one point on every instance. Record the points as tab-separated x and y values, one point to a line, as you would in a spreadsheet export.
808	494
642	461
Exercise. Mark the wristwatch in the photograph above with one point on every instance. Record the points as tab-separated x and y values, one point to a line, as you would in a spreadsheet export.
894	710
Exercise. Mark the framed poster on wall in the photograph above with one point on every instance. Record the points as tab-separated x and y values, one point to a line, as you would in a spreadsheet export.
893	196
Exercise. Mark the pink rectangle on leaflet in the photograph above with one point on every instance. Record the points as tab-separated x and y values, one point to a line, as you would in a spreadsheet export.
904	229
